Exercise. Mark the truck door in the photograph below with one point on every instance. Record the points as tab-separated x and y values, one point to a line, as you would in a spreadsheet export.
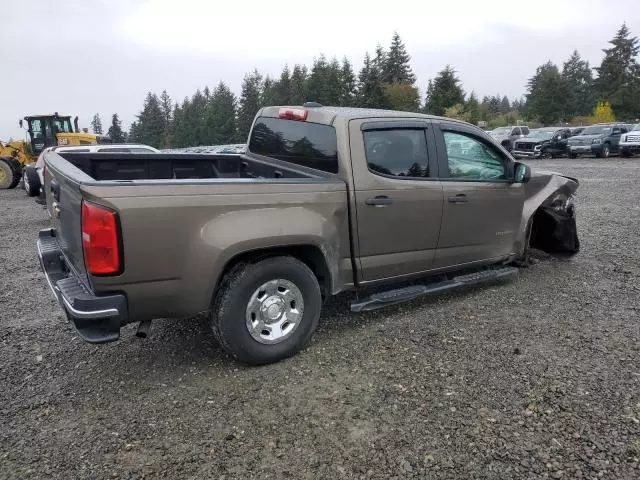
482	205
398	198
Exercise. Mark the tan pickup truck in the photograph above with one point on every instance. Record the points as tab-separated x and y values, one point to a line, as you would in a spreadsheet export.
324	200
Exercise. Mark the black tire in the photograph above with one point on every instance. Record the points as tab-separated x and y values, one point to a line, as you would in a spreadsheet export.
573	155
31	181
625	153
9	177
546	154
229	309
604	151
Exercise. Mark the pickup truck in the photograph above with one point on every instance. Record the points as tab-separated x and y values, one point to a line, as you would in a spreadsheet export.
325	200
547	142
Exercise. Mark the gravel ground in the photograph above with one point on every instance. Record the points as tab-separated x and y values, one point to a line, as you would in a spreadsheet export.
537	378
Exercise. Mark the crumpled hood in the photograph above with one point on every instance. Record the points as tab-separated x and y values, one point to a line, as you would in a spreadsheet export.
547	174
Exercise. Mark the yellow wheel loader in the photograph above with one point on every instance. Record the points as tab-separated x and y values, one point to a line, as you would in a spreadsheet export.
42	131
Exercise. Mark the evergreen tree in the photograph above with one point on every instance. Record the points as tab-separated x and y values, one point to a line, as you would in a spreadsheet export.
397	67
619	75
134	133
115	130
505	106
547	94
333	89
282	88
370	90
150	127
318	80
577	77
167	111
268	92
472	107
220	116
298	84
443	92
347	84
96	124
249	103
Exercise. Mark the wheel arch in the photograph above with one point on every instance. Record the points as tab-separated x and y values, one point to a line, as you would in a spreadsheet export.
310	254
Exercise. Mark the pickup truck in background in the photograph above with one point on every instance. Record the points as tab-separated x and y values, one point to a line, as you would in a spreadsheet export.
630	142
325	200
547	142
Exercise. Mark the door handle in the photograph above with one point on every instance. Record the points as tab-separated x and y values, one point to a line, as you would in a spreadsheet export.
379	201
459	198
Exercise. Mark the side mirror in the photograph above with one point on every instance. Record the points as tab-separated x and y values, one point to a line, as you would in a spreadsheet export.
20	123
522	173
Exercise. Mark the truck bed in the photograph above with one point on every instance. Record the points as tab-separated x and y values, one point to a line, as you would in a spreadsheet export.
167	166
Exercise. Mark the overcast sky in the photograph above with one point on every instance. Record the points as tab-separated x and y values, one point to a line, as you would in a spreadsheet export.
80	57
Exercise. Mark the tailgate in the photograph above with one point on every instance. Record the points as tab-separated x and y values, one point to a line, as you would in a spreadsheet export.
64	202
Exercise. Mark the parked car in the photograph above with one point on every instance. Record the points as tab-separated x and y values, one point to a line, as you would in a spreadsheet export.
548	142
32	177
601	139
576	130
325	200
630	142
507	135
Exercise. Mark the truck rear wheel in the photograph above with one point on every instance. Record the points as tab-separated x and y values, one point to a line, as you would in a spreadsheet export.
266	311
30	180
8	177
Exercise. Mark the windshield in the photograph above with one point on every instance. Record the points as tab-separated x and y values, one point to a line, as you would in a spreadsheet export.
63	125
595	130
541	134
636	127
501	131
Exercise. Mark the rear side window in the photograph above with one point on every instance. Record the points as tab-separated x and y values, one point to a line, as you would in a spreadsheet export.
397	152
308	144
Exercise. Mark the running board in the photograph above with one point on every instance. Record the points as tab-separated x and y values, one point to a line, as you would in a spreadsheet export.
390	297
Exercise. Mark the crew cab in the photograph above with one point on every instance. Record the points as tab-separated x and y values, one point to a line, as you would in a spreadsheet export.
630	142
601	139
325	200
548	142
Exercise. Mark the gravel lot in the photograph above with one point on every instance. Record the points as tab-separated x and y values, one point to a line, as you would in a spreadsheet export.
537	378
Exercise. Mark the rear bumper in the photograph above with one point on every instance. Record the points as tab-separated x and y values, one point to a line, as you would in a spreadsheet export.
97	318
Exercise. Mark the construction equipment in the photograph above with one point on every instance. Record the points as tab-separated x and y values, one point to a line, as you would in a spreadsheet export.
43	131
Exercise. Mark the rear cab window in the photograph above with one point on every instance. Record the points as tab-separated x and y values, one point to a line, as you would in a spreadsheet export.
307	144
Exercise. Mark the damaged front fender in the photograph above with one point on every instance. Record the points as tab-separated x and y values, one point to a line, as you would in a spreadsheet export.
548	220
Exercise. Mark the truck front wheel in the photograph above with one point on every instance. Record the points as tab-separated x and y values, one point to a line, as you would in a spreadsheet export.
266	311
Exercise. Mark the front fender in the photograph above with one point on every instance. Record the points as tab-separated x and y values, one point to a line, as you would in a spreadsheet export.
542	190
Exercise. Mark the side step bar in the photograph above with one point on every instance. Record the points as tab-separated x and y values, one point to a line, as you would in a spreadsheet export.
391	297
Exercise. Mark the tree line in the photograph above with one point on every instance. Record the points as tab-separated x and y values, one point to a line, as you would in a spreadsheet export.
576	93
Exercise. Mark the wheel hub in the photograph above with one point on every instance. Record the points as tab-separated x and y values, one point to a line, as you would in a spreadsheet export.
274	311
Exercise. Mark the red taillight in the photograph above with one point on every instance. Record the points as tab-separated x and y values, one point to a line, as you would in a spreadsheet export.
100	240
293	114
